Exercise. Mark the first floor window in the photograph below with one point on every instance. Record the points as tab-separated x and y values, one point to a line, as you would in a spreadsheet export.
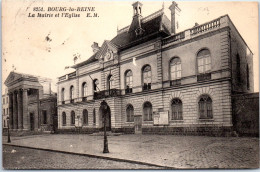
205	107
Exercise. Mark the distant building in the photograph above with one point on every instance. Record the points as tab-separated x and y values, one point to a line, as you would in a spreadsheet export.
5	108
155	80
32	104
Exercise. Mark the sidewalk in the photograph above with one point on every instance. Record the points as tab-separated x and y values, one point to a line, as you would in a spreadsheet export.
162	150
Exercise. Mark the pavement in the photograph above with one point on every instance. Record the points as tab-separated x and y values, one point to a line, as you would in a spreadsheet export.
169	151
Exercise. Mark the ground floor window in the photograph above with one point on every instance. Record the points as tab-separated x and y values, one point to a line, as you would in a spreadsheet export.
72	118
176	108
63	118
148	111
130	113
94	117
44	117
205	107
85	117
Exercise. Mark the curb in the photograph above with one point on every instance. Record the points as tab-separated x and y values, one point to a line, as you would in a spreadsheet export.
93	156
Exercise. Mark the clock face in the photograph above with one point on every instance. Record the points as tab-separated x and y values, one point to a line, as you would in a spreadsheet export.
108	55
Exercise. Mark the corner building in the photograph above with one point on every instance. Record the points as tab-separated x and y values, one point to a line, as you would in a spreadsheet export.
157	81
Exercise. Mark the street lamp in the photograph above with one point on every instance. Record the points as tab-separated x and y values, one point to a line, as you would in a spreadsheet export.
104	107
8	134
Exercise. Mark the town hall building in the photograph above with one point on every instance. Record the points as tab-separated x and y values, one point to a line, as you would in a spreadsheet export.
155	80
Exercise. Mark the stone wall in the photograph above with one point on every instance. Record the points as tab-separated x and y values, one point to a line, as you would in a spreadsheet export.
246	114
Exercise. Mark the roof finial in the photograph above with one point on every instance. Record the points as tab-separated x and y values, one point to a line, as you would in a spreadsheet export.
163	5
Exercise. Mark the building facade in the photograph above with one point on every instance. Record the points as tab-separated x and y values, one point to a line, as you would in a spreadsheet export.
5	109
32	104
157	81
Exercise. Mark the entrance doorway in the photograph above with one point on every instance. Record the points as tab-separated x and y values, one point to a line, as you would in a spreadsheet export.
55	122
105	112
138	124
31	121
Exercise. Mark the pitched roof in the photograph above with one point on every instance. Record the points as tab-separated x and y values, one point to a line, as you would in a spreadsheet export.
154	24
88	61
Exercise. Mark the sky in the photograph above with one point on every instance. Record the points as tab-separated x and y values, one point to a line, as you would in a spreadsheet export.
43	46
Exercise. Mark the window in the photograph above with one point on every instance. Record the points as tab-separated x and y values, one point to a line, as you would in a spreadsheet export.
110	80
175	68
63	118
130	113
205	107
4	123
129	81
85	117
84	89
6	99
238	69
44	117
148	111
62	94
147	77
3	111
94	117
95	85
3	100
7	111
71	92
176	108
72	118
247	78
204	61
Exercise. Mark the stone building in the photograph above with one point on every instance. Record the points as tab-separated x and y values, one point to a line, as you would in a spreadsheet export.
32	104
5	109
155	80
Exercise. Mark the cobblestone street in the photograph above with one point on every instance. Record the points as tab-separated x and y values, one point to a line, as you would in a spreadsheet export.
182	152
24	158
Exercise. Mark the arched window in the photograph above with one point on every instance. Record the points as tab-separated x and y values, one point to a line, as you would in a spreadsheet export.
176	108
247	77
175	68
94	116
62	94
63	118
72	118
148	111
205	107
85	117
95	85
130	113
71	92
110	80
147	77
84	89
238	69
204	61
128	81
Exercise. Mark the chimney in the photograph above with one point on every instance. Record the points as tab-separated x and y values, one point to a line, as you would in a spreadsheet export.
95	47
174	11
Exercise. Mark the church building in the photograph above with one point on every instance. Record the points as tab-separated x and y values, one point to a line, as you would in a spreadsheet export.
32	104
155	80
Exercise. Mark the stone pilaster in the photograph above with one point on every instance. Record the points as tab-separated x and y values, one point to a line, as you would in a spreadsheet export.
25	110
20	110
15	112
10	110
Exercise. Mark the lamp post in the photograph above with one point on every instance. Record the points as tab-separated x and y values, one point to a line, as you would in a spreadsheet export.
8	134
104	104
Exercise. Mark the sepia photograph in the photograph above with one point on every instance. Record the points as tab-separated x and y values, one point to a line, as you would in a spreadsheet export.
158	85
